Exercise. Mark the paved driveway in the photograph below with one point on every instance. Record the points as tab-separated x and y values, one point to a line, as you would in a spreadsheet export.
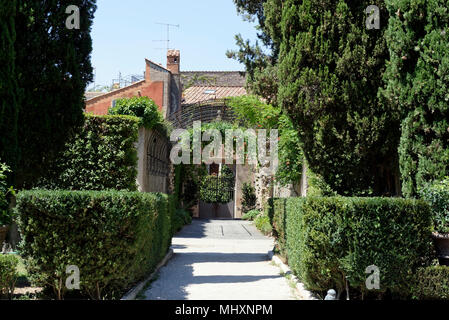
220	260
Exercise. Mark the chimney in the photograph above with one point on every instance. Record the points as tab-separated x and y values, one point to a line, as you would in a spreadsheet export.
173	61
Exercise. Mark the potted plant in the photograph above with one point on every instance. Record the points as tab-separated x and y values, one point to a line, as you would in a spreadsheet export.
437	195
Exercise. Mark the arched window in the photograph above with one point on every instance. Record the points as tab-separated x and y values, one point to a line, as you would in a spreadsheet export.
157	155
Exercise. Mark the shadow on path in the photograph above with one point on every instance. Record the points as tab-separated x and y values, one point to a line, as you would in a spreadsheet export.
219	260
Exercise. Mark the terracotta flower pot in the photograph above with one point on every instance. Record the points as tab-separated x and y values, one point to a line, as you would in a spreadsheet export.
441	241
3	233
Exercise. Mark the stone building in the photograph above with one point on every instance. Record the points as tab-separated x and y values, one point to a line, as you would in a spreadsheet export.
182	97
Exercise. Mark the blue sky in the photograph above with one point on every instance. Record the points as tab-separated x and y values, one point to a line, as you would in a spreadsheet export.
123	34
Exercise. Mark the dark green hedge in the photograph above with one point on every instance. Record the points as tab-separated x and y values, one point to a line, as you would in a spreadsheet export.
115	238
431	283
328	240
275	209
101	156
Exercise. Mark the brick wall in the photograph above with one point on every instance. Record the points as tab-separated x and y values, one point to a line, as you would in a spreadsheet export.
154	90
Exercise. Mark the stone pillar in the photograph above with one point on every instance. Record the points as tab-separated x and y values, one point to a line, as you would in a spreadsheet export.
141	161
262	186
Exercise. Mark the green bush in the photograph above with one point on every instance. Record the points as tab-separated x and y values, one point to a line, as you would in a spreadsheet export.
50	85
5	213
189	189
278	221
331	240
143	108
8	274
9	89
251	215
102	156
253	112
329	66
431	283
115	238
416	81
181	218
262	223
215	189
248	197
437	195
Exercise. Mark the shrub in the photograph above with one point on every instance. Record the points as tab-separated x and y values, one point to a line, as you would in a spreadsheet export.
5	213
278	218
416	80
262	223
251	215
52	84
115	238
191	177
102	156
329	65
8	274
252	112
437	195
248	197
217	190
143	108
431	283
9	90
331	240
181	218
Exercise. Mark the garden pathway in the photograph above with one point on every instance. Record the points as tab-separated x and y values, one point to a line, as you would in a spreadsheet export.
220	260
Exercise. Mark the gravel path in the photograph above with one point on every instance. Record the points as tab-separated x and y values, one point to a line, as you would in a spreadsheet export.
220	260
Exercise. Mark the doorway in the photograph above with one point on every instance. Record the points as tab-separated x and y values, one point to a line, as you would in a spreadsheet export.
222	211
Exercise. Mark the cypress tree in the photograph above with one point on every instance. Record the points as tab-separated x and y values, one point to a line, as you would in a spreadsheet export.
418	81
330	70
53	67
8	85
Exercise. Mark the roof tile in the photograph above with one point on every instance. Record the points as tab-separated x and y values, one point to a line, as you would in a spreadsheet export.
197	94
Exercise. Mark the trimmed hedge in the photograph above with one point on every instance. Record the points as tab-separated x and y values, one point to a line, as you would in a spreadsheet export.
101	156
278	218
432	283
329	240
181	218
115	238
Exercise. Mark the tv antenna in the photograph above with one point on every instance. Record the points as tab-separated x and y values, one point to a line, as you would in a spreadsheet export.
168	25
